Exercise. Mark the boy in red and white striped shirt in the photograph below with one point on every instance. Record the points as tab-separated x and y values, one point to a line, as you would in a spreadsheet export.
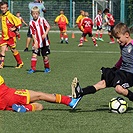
98	20
110	22
39	28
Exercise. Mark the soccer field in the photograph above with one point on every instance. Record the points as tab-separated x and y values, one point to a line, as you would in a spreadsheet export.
66	61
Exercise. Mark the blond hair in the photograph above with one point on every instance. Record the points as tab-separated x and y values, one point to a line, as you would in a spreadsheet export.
35	9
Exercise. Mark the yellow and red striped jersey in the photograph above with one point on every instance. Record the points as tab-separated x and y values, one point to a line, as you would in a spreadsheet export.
79	18
61	20
9	21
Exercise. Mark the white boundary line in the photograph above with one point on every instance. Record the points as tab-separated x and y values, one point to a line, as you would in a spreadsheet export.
97	52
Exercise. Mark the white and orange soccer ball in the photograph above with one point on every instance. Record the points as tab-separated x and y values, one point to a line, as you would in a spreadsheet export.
118	105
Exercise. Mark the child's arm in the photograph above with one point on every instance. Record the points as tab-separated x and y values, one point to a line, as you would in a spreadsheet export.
24	22
46	24
46	33
119	62
35	44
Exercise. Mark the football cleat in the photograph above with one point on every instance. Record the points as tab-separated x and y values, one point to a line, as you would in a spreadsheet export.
96	45
61	41
100	39
66	42
85	40
31	71
112	42
1	65
47	70
76	89
97	38
80	45
19	65
74	102
18	108
26	49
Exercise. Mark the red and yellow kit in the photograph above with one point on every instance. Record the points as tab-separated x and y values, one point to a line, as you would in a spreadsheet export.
10	96
62	22
78	20
9	21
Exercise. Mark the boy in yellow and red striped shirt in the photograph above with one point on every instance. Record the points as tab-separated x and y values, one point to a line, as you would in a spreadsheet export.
62	22
10	23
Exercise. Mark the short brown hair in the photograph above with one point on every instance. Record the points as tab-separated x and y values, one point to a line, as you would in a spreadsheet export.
120	28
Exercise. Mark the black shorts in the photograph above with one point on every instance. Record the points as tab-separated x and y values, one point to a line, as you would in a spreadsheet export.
110	28
116	77
44	51
89	34
29	33
99	27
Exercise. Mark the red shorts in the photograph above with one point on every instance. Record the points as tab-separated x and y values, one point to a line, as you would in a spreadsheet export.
62	28
10	96
10	42
20	97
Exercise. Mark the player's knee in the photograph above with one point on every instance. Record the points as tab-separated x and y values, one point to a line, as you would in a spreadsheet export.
38	106
13	49
119	89
45	57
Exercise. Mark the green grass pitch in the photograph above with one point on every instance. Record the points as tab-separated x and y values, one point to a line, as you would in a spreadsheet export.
66	62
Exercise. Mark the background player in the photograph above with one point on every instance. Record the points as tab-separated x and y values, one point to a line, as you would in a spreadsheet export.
22	21
99	20
110	22
40	5
86	26
10	24
62	22
78	21
39	29
24	100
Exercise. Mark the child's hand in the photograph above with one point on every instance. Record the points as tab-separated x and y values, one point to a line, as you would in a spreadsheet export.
13	29
35	44
43	36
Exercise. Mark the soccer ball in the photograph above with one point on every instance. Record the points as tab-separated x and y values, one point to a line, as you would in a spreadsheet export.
118	105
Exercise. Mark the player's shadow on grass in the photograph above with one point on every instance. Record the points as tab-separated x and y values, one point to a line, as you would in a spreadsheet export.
103	108
37	71
61	109
9	66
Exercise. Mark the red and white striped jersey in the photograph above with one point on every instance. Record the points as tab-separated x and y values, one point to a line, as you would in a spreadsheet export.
98	20
111	19
38	28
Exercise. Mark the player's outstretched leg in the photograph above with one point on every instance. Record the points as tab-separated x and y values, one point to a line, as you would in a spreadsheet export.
76	89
